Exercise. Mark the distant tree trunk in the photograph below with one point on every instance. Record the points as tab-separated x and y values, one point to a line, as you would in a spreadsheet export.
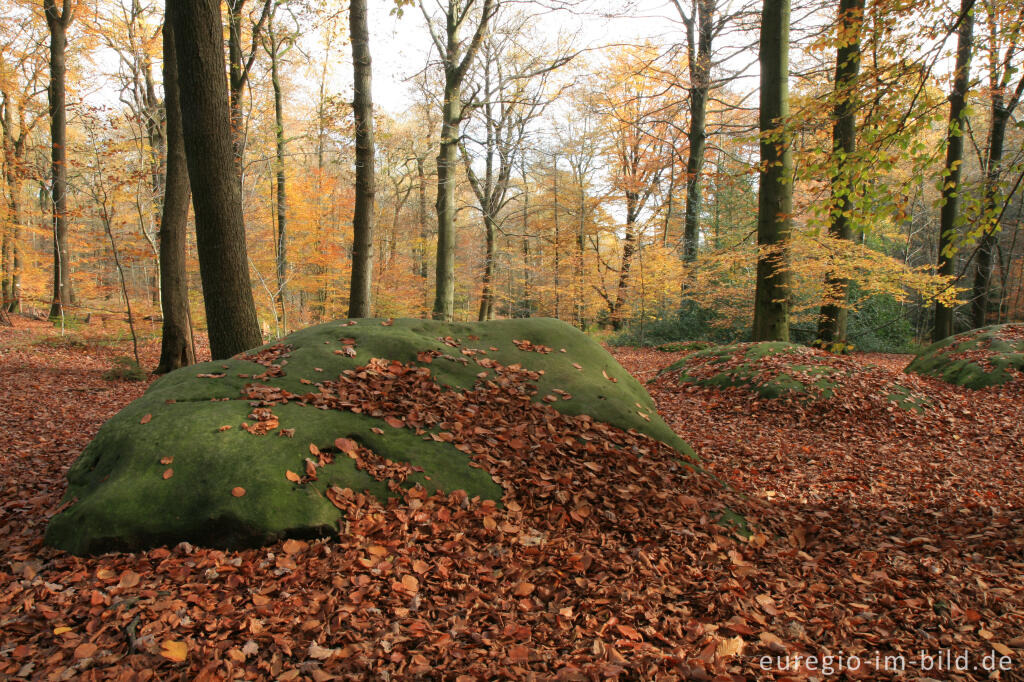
176	339
455	70
954	160
216	197
1001	109
700	84
487	293
444	283
280	181
361	293
775	188
628	249
58	22
239	66
10	251
833	314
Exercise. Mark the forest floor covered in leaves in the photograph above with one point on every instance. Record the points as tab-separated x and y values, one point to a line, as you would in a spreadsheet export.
879	537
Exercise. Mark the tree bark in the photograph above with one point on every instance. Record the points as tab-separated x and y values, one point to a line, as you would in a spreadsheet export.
361	293
833	314
176	338
216	197
775	188
280	180
954	159
455	69
1000	111
700	84
444	282
58	22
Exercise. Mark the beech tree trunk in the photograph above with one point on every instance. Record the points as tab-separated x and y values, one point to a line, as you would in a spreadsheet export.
216	197
700	84
176	348
58	22
361	292
775	188
833	314
954	160
280	180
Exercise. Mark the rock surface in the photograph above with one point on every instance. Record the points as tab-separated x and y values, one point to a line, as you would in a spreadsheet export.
989	356
264	445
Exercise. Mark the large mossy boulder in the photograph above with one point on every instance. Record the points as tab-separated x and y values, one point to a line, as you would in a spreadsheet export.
245	451
989	356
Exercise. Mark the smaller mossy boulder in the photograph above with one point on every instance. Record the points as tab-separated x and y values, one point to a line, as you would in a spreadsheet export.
772	369
275	442
989	356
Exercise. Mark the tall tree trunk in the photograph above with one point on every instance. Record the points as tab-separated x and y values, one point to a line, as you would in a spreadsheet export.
444	283
58	22
176	348
361	293
628	249
954	160
1000	111
775	188
487	295
220	230
280	182
700	84
833	314
5	267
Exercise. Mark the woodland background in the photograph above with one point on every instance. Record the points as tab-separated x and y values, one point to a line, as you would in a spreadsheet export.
586	188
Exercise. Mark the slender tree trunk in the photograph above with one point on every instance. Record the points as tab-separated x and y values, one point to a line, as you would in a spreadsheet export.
5	268
833	314
700	84
14	306
58	22
216	198
775	188
176	348
444	284
954	160
1000	112
280	182
361	293
487	295
628	249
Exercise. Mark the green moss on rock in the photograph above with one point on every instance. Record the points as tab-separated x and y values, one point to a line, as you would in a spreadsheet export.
163	469
989	356
772	369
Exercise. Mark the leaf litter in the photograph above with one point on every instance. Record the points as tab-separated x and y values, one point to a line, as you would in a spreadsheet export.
870	530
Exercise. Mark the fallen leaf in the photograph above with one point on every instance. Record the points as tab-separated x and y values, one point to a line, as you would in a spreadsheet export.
174	650
146	419
292	476
238	491
168	473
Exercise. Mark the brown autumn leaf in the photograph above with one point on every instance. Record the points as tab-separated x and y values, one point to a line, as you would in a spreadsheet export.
85	650
410	583
394	422
166	460
146	418
293	546
238	491
346	445
168	473
129	579
292	476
